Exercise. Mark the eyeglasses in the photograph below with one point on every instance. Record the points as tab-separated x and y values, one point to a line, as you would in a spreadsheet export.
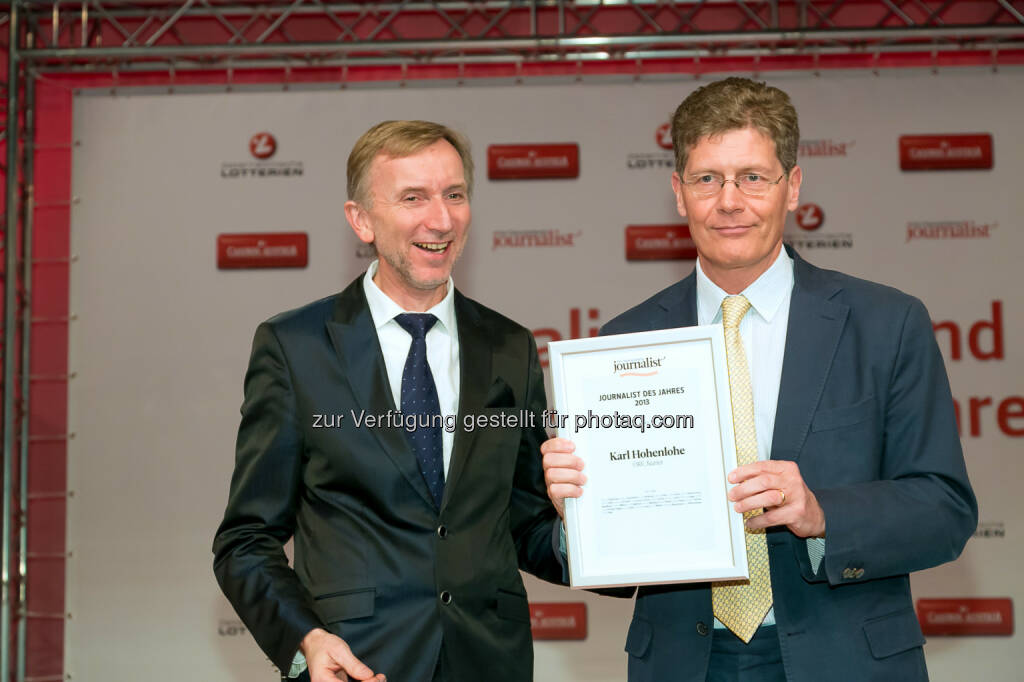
751	184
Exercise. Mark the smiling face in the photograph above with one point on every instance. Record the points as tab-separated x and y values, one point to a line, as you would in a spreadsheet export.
418	218
737	236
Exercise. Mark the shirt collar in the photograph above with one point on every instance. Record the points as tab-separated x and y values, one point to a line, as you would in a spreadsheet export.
765	293
383	309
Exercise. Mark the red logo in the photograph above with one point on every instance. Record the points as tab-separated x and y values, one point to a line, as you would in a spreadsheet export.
262	250
810	216
663	136
567	620
945	152
965	616
262	145
659	242
533	161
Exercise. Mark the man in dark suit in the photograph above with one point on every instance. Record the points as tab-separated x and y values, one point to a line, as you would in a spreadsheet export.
407	540
857	465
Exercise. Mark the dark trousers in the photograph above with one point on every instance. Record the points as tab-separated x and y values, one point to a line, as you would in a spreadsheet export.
734	661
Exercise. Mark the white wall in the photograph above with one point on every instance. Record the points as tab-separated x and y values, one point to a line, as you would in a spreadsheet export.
161	339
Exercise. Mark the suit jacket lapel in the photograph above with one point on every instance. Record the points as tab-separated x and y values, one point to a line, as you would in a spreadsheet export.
355	340
682	308
677	305
815	325
474	380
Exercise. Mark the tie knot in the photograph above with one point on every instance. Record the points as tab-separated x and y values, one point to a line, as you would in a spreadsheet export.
417	324
733	310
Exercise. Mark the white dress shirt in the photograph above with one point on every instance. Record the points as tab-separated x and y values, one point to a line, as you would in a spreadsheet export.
442	349
763	330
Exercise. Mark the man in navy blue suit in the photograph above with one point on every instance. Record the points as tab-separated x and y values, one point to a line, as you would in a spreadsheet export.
858	471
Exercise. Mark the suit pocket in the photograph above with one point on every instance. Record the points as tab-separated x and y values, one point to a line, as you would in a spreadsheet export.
513	606
639	638
847	415
500	395
893	633
347	605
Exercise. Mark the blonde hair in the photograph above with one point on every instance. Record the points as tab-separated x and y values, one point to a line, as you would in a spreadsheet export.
734	104
400	139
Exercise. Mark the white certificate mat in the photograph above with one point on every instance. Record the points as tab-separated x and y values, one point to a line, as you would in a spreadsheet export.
650	415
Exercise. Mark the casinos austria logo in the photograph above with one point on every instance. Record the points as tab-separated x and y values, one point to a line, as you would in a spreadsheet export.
262	250
533	161
945	152
559	620
262	147
659	242
967	616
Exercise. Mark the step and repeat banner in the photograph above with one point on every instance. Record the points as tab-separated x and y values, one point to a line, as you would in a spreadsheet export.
911	179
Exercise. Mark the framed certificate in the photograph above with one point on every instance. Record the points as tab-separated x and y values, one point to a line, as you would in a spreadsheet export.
650	415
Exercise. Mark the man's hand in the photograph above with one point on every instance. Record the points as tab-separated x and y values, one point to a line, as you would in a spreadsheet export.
777	486
563	472
329	659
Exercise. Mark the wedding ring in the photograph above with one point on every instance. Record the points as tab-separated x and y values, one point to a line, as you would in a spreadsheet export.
783	493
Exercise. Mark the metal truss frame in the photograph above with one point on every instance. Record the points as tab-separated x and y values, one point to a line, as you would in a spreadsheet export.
16	332
202	34
108	37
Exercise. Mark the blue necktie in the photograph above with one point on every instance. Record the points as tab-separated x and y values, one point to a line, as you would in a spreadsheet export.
419	398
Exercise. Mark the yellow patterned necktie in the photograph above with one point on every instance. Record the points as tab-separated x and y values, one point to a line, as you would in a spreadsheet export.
741	605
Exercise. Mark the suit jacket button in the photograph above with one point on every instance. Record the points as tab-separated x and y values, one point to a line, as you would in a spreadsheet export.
702	628
442	532
446	597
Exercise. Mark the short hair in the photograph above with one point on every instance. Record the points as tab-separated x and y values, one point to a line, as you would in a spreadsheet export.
734	104
400	139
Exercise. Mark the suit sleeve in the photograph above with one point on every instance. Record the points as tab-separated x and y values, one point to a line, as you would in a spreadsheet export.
921	511
533	518
249	559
